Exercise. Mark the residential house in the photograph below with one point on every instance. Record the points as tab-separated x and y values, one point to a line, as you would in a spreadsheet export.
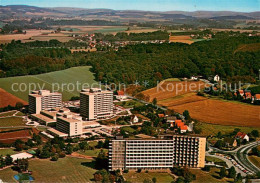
183	128
121	95
242	136
216	78
248	95
161	115
134	119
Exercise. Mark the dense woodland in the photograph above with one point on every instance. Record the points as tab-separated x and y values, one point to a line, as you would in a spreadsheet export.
142	62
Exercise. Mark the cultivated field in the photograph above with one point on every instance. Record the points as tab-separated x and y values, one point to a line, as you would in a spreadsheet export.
181	39
50	81
9	99
203	109
10	137
167	90
29	33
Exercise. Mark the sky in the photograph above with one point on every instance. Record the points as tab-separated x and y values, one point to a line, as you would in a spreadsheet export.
150	5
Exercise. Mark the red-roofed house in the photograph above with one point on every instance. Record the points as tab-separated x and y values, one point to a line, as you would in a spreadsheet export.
257	97
247	95
161	115
241	92
178	123
121	95
183	128
242	135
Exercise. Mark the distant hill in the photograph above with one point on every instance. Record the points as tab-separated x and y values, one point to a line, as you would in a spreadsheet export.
23	10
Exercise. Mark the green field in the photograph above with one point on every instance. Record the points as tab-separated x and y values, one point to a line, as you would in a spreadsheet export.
3	114
64	170
11	121
10	151
93	153
129	103
212	129
50	81
133	176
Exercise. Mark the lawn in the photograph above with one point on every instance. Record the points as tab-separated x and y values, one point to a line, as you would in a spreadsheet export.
255	160
133	176
3	114
207	177
212	129
93	153
213	159
50	81
64	170
10	151
129	103
7	175
11	121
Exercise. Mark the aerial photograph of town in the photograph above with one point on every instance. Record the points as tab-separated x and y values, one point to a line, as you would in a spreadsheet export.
130	91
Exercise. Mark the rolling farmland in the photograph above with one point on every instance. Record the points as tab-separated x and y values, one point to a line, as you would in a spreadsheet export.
66	80
204	109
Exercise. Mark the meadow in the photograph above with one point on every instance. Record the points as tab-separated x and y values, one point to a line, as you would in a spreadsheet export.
48	81
64	170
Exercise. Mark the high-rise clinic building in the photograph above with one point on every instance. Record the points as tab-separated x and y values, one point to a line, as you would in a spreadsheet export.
96	103
162	153
44	100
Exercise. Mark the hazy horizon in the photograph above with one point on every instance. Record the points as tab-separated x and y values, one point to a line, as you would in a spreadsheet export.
146	5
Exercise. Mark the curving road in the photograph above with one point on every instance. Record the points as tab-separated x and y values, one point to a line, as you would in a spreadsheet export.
241	156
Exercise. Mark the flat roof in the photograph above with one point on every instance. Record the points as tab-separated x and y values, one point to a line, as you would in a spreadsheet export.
61	134
90	123
70	120
51	113
44	118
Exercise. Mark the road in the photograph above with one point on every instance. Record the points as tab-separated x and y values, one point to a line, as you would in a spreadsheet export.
228	162
241	156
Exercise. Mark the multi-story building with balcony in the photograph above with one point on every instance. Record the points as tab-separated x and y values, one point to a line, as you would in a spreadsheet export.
162	153
44	100
96	104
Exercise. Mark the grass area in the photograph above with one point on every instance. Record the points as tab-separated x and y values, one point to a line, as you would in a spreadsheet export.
11	121
20	114
255	160
93	153
129	103
10	151
3	114
207	177
213	159
172	79
7	175
51	81
64	170
212	129
93	143
132	176
128	129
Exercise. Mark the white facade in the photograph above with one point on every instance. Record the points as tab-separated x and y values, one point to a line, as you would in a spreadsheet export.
43	100
96	104
157	153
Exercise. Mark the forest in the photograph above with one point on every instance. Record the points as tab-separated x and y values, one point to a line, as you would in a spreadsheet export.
142	62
